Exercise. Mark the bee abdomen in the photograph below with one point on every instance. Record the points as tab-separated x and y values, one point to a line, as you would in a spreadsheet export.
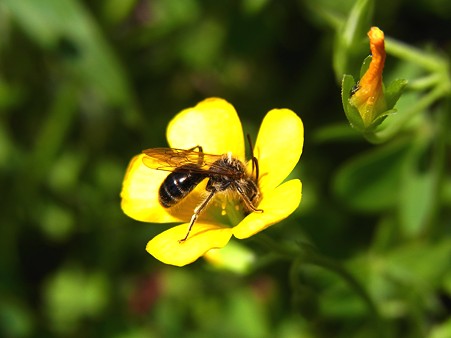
176	186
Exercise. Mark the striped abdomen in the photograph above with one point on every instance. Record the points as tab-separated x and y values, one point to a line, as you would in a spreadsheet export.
178	184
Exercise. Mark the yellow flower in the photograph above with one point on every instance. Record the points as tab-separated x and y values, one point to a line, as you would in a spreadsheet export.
369	96
214	125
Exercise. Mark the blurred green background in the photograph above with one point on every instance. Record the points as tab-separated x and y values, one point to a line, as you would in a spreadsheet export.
85	85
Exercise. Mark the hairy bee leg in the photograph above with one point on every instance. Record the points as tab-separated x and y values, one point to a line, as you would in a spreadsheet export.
196	214
246	200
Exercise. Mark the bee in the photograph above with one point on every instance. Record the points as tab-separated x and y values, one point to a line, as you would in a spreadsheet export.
188	168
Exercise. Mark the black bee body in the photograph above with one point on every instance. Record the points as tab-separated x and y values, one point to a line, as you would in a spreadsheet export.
178	184
188	168
239	181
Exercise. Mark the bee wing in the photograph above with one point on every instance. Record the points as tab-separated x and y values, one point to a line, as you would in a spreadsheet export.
170	159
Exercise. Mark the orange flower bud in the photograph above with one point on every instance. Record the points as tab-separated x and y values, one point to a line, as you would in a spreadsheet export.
368	97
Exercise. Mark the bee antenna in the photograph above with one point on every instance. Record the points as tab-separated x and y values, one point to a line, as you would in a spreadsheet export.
254	159
250	144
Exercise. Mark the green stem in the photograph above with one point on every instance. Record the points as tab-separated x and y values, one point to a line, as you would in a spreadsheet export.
422	104
405	116
306	254
53	131
332	265
438	161
414	55
425	82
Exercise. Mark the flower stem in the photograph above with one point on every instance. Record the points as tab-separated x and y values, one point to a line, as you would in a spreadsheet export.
405	52
402	118
306	254
425	82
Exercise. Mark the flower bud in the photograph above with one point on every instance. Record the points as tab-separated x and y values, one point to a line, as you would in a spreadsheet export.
368	95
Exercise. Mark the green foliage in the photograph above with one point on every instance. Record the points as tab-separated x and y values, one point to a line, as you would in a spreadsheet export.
392	94
85	85
349	40
371	181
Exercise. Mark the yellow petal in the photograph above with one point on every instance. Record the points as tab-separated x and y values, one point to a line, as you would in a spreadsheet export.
166	246
212	124
140	193
278	147
276	205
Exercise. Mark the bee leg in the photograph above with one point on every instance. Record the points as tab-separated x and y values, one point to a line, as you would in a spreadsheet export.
200	150
246	200
250	205
196	214
201	155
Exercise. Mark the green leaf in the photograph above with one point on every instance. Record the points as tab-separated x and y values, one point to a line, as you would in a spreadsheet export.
114	11
442	331
371	182
422	266
335	132
72	295
394	91
417	193
348	46
365	65
15	317
351	112
68	29
378	121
